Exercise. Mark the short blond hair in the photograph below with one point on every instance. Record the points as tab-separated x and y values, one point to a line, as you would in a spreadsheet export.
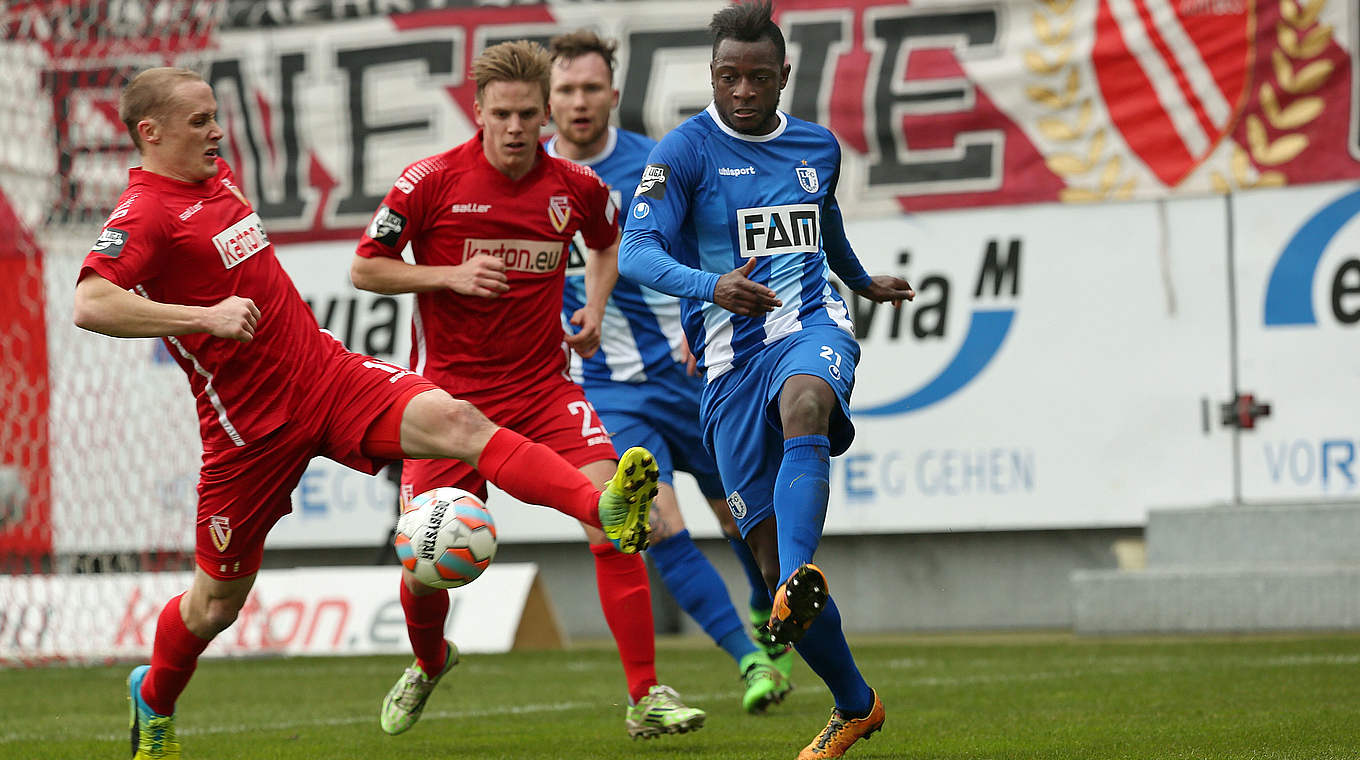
518	61
151	95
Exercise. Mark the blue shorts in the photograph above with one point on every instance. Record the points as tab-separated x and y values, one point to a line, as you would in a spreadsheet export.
740	414
663	415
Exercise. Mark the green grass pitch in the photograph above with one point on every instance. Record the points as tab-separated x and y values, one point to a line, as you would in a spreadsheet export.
975	697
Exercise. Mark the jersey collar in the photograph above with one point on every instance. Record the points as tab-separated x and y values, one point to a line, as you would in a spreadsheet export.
609	146
712	112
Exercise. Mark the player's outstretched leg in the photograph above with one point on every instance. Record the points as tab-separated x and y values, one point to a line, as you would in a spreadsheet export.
153	735
627	500
797	603
405	701
662	712
842	731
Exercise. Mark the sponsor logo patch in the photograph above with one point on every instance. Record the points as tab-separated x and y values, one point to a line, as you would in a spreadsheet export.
470	208
559	212
768	230
534	256
241	240
641	210
219	527
736	504
653	182
386	226
110	242
188	212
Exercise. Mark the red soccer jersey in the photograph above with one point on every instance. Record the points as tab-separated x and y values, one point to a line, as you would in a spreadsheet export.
196	244
456	205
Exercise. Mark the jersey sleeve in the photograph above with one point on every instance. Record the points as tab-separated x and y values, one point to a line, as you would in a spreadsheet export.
839	255
132	244
400	217
600	227
656	220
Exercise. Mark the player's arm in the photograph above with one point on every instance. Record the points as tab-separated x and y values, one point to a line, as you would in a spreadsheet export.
602	271
482	276
843	261
103	307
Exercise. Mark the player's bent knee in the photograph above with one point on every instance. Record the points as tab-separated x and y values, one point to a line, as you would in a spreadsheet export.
437	425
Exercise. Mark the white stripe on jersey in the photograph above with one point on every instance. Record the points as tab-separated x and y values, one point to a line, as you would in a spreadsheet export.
717	342
835	308
208	388
418	328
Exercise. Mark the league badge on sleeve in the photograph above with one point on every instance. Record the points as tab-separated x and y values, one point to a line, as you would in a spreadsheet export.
386	226
653	182
807	177
110	242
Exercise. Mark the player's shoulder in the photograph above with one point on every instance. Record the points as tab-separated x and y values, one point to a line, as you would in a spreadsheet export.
449	162
803	127
634	142
688	138
577	174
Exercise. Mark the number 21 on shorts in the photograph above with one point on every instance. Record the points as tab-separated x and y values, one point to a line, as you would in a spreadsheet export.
835	361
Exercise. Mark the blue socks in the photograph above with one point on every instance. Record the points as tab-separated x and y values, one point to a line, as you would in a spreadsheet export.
701	593
800	492
760	593
824	650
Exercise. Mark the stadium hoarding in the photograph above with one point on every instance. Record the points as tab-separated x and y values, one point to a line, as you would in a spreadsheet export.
295	611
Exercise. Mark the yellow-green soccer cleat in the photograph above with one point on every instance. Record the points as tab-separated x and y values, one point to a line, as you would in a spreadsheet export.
797	603
662	712
841	732
405	701
765	686
627	500
153	735
781	655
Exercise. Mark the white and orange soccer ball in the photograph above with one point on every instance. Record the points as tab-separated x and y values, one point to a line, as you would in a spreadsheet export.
446	538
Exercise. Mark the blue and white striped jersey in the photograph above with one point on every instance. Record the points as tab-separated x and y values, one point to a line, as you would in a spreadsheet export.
711	198
641	330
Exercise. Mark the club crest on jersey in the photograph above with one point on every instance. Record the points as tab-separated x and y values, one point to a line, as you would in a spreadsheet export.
736	504
241	240
559	212
807	177
219	526
653	182
768	230
236	192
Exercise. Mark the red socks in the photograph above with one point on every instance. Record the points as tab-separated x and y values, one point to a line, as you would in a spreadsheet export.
425	616
174	655
534	473
626	599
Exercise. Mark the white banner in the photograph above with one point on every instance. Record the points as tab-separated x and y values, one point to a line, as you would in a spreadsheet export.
326	611
1298	286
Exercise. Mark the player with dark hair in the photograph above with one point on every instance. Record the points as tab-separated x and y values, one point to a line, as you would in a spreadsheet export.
489	223
736	213
184	257
638	382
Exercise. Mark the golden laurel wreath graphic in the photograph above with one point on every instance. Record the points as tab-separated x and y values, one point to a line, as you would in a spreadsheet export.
1087	161
1301	41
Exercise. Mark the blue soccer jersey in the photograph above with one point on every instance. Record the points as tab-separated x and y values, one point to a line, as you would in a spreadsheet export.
640	336
711	198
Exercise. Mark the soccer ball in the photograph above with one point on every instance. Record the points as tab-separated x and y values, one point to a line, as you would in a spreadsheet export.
446	538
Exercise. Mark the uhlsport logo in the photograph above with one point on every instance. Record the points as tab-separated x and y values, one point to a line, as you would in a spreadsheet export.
988	327
1289	293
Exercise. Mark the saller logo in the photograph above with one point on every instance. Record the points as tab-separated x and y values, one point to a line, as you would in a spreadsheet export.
653	182
241	240
538	256
769	230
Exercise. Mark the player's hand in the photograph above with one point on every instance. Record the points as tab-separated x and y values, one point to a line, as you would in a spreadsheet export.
886	287
233	317
585	341
741	296
482	276
691	361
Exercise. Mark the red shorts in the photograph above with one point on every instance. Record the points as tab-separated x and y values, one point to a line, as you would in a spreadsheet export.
244	490
554	413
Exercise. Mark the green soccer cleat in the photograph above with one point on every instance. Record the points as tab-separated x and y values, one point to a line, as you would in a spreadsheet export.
781	655
153	734
405	701
662	712
627	500
765	686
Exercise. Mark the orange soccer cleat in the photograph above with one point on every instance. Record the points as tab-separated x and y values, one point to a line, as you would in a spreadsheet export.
841	732
797	603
